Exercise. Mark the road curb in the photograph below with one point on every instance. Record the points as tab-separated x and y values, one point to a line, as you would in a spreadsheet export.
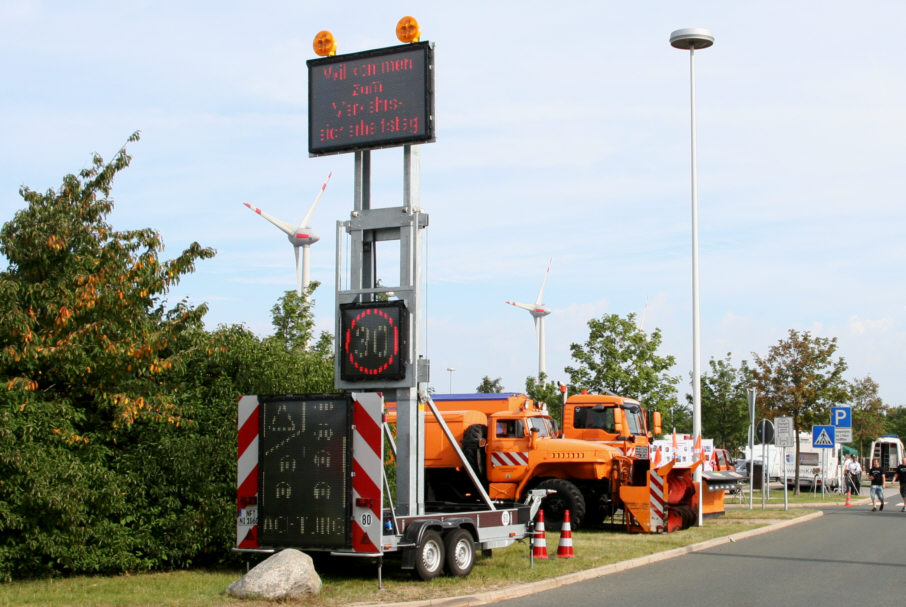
514	592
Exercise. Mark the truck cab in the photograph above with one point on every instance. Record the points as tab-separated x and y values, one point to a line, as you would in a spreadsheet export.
614	420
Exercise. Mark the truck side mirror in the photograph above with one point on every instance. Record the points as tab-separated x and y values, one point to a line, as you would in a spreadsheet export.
618	421
656	422
535	432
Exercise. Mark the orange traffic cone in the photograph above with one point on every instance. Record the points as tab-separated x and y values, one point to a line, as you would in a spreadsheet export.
539	546
565	547
848	504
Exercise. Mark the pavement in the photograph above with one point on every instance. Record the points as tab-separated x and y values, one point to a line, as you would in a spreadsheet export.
524	589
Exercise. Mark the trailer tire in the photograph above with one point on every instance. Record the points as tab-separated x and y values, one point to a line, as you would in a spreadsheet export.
473	440
567	497
429	555
460	552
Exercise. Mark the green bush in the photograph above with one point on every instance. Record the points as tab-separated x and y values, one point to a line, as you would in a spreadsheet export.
117	415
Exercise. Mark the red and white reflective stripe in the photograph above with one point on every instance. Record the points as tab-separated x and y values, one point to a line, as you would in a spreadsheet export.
657	500
247	473
368	466
509	458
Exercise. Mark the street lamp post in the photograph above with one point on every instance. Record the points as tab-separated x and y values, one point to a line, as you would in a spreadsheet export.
690	39
451	369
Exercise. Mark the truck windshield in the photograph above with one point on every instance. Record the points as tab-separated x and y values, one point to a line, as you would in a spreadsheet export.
595	418
543	425
634	421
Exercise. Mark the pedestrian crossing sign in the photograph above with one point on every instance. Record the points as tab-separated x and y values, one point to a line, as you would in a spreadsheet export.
823	436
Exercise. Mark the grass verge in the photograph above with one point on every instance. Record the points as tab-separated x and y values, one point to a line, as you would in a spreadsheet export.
774	497
350	580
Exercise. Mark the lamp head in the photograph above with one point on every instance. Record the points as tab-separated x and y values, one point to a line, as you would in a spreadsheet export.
691	38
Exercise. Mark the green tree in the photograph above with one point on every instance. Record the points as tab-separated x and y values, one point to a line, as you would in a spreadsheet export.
800	378
540	390
895	422
85	346
678	417
292	324
724	402
869	412
490	386
621	358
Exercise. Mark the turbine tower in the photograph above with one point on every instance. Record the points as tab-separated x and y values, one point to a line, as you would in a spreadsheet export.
301	236
538	311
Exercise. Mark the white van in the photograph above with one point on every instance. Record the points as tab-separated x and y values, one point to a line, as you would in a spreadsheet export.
889	450
816	465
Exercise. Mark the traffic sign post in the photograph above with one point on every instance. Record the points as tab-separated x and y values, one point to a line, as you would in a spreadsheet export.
750	394
765	431
786	437
765	434
842	420
844	435
842	417
823	437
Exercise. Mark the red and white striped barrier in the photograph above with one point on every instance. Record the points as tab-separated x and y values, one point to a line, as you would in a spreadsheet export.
247	474
658	502
368	466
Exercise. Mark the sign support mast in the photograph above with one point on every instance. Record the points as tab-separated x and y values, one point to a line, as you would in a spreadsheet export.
358	102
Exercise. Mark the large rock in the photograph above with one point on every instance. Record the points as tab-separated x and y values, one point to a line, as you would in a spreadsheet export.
289	574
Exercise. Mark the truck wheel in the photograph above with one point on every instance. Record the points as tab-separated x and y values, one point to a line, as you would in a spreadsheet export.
460	552
429	556
555	505
472	440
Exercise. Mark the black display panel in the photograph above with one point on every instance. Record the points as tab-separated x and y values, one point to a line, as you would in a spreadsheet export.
374	338
304	471
372	99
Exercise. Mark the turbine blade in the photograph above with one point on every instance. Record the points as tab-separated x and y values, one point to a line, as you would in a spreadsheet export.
288	228
311	210
544	282
528	307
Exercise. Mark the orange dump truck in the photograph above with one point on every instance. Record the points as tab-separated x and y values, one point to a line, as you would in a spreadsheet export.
511	445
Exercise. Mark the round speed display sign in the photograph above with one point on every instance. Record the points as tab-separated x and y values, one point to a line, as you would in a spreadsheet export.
373	341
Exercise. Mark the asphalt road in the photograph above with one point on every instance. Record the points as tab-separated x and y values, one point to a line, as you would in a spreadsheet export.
849	556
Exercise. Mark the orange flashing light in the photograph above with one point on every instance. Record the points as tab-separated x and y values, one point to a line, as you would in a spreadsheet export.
325	44
408	30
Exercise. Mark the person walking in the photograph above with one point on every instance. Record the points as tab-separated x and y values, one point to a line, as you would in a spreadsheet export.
878	482
901	476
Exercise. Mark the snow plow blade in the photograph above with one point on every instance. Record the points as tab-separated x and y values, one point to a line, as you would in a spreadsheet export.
715	484
646	507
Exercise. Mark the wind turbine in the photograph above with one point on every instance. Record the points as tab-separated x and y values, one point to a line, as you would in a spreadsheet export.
301	236
538	311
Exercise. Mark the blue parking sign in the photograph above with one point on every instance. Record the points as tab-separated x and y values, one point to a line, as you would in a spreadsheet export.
823	436
842	417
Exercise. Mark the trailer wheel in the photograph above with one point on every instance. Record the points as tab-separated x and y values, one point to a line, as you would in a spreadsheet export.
460	552
472	440
429	556
567	497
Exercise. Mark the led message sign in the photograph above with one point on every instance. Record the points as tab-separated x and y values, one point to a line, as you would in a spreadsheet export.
373	99
304	471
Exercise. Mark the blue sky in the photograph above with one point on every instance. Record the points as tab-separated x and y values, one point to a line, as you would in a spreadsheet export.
562	133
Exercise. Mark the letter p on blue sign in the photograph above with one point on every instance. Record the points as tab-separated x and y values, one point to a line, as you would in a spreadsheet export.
842	417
